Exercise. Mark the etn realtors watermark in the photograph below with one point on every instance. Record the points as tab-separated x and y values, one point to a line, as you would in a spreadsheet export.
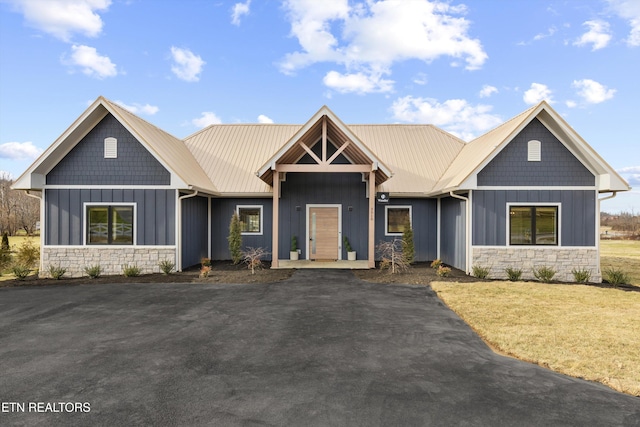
43	407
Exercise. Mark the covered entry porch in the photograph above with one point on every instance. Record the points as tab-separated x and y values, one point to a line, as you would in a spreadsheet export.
323	147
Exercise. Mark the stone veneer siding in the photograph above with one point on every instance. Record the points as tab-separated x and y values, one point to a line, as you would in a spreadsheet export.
560	259
110	260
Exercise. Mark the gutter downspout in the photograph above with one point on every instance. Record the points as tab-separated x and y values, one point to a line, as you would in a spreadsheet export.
42	221
613	194
467	232
179	237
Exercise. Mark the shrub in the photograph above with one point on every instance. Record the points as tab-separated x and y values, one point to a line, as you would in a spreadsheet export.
205	270
480	272
253	258
5	241
205	262
514	274
443	271
5	258
56	272
408	248
615	276
131	270
436	263
347	245
27	254
392	256
581	275
235	238
544	274
20	271
294	244
167	266
93	271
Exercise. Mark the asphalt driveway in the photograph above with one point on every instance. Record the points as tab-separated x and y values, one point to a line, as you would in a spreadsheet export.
322	348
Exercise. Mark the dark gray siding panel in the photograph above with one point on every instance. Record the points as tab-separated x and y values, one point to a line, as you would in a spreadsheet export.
558	166
424	224
221	212
346	189
155	210
453	231
85	163
195	213
577	214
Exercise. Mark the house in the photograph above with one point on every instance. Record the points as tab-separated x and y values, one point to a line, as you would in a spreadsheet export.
117	190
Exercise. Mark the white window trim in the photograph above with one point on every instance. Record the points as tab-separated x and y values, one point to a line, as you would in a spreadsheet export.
386	218
534	204
110	148
86	205
260	207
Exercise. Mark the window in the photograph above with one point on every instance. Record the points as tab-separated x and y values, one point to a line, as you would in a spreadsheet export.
109	225
533	225
534	151
110	148
397	218
250	219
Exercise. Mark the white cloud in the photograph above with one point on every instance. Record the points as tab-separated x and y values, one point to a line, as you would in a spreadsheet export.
187	65
368	37
361	82
598	35
550	32
91	63
592	92
264	119
420	79
206	119
631	174
629	10
536	93
487	91
456	116
239	9
62	18
136	108
571	103
19	151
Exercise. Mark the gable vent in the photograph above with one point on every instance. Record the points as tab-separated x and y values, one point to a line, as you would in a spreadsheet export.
110	148
533	153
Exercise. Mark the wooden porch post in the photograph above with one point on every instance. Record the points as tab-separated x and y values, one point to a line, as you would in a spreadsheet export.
276	217
372	219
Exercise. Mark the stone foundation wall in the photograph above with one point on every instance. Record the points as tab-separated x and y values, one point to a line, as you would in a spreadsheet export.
110	260
562	260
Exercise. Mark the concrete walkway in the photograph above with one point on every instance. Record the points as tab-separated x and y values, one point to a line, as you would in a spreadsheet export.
322	349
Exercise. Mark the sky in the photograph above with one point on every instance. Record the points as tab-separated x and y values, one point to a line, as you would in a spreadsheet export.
464	66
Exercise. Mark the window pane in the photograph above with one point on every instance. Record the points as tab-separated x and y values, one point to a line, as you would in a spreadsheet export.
520	225
546	226
122	225
98	225
397	219
250	220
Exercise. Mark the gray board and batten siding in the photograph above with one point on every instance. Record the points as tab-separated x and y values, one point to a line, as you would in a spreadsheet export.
577	214
221	212
558	166
424	222
85	163
195	213
453	240
155	213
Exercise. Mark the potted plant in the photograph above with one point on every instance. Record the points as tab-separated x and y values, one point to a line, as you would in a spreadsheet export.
351	254
293	254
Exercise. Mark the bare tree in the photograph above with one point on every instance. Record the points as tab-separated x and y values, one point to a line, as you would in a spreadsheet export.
392	256
17	210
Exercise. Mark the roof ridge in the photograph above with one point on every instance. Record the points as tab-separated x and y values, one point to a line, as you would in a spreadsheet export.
112	103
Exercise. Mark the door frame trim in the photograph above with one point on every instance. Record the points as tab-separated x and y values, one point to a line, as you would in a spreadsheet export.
313	205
